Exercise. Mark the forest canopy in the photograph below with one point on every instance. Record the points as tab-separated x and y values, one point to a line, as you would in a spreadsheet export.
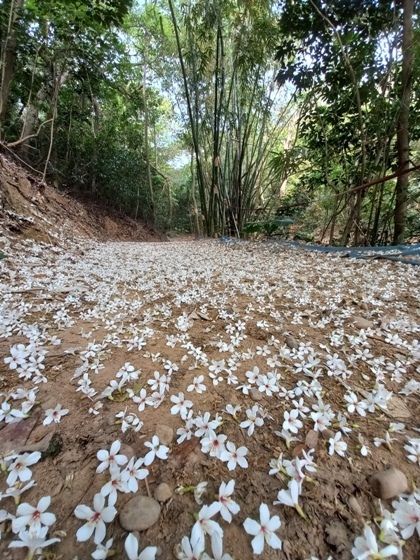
298	117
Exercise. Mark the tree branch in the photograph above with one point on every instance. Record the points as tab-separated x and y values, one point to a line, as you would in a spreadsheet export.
23	140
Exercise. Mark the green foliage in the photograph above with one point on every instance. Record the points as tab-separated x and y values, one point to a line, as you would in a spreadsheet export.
277	226
343	60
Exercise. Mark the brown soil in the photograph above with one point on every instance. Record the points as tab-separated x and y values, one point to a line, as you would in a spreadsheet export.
40	212
121	289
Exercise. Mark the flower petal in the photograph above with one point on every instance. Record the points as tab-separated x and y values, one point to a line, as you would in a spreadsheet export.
85	532
273	541
252	527
149	553
83	512
258	543
44	503
131	546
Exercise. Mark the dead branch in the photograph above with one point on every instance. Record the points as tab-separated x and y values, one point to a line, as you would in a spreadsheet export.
23	140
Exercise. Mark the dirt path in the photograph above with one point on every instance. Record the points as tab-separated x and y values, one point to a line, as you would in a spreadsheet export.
317	329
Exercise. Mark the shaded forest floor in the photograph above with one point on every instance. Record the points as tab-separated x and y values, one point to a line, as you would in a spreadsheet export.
259	326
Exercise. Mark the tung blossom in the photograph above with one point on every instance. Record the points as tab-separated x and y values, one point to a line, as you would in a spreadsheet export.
228	506
111	459
252	419
95	519
131	546
234	456
35	543
19	469
55	414
366	547
205	525
407	515
263	532
34	517
156	450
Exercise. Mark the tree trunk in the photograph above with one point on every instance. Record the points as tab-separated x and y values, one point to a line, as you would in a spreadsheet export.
95	129
8	57
403	140
196	221
146	148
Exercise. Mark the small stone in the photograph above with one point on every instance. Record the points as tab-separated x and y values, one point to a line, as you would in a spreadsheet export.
362	323
397	408
139	513
292	343
311	439
327	434
297	450
355	506
255	395
164	433
388	484
163	492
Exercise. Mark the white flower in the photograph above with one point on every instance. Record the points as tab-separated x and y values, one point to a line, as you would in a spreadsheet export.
337	446
217	549
267	384
253	375
19	467
132	473
18	353
355	404
128	372
35	517
366	547
321	421
10	415
103	550
189	552
234	456
397	427
213	444
228	506
277	465
156	450
139	399
110	459
35	543
132	549
301	408
54	414
287	436
197	385
181	405
129	421
205	525
387	441
95	519
291	421
185	432
253	419
205	425
263	531
16	491
407	515
112	486
199	490
413	450
232	410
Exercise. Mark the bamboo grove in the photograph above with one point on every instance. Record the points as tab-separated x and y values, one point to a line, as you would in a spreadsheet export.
211	116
